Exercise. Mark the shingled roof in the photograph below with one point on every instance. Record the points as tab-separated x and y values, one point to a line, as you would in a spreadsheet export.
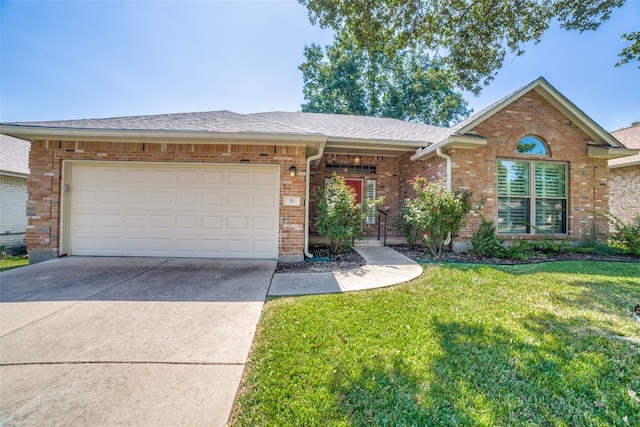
335	126
630	137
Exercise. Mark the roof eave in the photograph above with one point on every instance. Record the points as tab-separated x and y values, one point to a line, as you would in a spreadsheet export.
454	141
14	174
162	136
600	152
624	165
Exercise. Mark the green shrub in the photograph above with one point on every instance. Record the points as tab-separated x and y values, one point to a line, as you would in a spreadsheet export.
437	212
626	236
406	225
485	241
517	251
339	216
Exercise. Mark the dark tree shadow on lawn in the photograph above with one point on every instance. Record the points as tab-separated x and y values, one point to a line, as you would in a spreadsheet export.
487	376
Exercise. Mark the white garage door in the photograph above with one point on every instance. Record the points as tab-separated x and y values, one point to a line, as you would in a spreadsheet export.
177	210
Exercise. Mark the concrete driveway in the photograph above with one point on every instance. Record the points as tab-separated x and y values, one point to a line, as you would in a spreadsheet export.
135	341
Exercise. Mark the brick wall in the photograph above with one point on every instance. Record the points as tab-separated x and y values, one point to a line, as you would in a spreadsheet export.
624	192
43	206
13	202
531	114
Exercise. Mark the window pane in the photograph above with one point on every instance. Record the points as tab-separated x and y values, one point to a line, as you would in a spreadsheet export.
513	178
531	145
550	180
551	215
513	215
371	195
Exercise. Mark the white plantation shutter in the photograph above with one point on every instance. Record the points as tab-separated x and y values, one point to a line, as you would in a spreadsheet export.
370	191
550	197
550	180
513	178
518	207
513	200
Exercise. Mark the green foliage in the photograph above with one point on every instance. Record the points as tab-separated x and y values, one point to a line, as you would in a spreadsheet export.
408	85
408	226
631	52
626	236
437	212
485	241
516	251
546	243
475	35
339	216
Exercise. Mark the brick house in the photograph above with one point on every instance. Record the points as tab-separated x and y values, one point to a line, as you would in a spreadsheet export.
624	176
222	184
14	170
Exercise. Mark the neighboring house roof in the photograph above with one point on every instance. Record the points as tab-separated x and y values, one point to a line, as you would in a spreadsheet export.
14	156
630	137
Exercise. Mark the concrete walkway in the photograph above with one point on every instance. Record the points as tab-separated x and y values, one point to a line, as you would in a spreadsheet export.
385	267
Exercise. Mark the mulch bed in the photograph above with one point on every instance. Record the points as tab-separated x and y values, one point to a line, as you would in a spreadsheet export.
353	260
340	262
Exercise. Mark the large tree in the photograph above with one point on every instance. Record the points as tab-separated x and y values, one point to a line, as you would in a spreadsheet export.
409	85
472	35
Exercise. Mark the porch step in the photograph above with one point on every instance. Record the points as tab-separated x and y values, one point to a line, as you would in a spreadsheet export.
368	243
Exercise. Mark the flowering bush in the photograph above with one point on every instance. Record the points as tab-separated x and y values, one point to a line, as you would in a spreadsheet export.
339	216
437	212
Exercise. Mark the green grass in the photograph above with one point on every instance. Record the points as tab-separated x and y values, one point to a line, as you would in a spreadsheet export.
543	344
13	262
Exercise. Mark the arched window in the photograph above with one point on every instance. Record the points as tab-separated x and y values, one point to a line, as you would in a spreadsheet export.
532	145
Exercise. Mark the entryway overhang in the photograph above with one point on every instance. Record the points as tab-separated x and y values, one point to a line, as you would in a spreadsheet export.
454	141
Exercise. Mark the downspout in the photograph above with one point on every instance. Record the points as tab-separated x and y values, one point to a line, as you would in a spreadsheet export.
448	159
306	198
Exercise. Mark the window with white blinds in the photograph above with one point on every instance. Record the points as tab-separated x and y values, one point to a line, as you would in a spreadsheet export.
532	193
370	190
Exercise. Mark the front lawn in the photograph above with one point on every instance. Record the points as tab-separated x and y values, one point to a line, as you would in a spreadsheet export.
9	262
543	344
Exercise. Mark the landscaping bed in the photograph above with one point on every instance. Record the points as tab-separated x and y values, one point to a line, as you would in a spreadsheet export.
352	259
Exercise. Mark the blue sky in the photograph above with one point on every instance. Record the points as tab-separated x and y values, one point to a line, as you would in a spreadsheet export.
88	59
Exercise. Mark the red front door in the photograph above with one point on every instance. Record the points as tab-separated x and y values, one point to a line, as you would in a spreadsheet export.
356	184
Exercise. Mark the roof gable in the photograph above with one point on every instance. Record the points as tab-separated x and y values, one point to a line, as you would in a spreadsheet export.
556	99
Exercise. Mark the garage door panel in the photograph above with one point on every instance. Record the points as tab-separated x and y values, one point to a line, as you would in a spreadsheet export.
238	223
187	177
164	198
212	222
235	200
186	198
264	179
160	176
239	178
213	177
160	221
187	222
174	210
212	199
137	177
135	221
